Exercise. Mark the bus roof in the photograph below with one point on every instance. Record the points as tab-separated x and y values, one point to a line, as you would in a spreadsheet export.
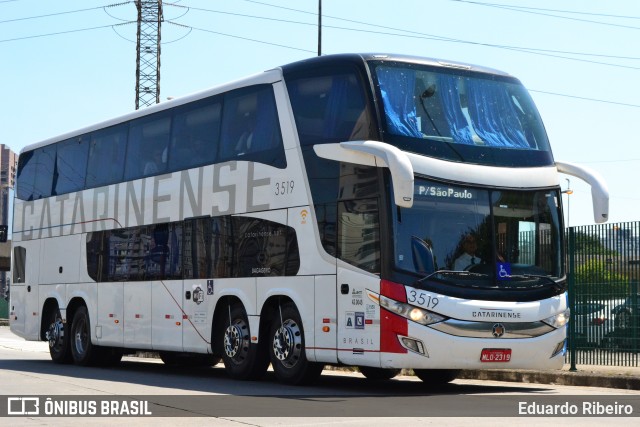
268	77
329	60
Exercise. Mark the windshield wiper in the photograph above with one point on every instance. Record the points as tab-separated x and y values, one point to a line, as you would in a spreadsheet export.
463	274
529	276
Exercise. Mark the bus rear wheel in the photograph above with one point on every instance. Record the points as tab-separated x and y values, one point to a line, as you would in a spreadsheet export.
242	359
83	351
287	352
58	337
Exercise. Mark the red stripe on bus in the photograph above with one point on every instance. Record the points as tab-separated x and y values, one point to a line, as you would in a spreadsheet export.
392	325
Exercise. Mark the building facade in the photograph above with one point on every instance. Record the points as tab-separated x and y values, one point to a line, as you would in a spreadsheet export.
8	168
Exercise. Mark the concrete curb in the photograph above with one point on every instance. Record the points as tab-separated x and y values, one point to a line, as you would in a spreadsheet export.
578	378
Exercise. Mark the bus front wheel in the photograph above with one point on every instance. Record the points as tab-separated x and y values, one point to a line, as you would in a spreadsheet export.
435	377
378	374
287	352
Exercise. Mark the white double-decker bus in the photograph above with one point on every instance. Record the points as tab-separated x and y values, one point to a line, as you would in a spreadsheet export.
377	211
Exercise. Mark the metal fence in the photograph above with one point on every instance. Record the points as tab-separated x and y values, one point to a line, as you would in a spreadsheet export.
604	295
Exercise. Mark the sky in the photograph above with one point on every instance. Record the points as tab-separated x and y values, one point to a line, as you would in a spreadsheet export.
67	64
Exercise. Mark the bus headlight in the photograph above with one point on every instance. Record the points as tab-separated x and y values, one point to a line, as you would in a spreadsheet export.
559	320
416	314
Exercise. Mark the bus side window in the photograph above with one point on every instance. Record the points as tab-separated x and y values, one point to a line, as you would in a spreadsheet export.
164	252
195	135
26	175
44	159
71	165
147	149
250	127
19	263
106	156
330	108
359	233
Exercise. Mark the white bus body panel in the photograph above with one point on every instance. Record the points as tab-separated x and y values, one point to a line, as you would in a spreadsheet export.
60	260
300	289
166	321
88	293
137	315
18	306
325	316
110	318
358	318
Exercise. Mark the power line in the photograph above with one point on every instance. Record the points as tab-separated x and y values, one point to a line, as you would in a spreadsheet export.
63	13
65	32
585	99
414	34
239	37
522	10
574	12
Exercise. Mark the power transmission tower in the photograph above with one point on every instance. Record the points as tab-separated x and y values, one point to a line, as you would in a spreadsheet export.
148	52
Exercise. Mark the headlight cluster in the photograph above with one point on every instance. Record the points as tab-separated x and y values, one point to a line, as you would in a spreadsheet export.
419	315
559	320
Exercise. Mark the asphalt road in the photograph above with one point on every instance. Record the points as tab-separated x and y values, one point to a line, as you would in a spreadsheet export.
197	396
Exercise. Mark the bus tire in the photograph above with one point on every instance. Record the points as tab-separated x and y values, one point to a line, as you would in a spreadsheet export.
57	335
378	374
242	359
83	351
286	349
435	377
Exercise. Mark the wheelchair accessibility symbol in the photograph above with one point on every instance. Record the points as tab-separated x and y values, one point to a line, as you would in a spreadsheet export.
504	270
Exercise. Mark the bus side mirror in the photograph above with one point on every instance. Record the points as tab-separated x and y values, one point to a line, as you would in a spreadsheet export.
599	190
379	154
3	233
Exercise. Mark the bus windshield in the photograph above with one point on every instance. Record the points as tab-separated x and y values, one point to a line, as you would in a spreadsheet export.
480	237
460	116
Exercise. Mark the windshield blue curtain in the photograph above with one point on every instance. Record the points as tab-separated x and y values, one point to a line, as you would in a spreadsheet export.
493	115
397	87
450	99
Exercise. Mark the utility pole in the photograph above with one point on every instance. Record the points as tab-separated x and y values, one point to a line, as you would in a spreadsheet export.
319	27
148	52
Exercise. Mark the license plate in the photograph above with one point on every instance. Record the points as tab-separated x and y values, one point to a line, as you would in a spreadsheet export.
495	355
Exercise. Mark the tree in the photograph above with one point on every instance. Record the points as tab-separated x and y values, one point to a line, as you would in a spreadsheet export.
590	244
596	278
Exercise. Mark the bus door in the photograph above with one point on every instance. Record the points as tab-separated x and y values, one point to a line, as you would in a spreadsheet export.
358	248
358	318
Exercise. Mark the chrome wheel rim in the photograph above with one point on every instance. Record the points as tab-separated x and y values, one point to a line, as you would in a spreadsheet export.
236	341
55	334
287	343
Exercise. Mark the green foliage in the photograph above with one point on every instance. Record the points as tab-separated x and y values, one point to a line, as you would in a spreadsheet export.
590	244
596	277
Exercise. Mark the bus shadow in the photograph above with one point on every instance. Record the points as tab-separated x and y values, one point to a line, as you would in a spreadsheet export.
153	375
